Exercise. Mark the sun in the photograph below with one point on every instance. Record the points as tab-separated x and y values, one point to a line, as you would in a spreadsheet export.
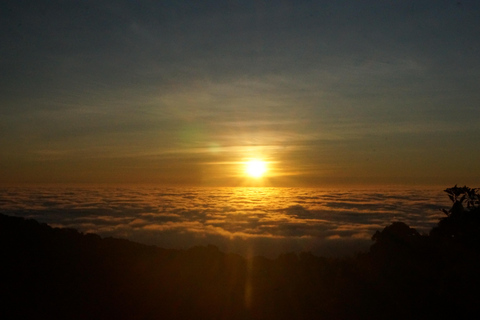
256	168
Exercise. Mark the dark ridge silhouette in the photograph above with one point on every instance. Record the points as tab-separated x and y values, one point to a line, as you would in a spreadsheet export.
51	273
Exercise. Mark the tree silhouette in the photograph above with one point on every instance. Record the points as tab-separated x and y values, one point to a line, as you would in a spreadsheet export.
397	238
460	194
462	224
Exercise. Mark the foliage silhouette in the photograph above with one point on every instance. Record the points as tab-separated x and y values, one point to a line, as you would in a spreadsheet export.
462	225
460	194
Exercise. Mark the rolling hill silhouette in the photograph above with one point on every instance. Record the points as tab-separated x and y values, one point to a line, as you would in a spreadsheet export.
51	273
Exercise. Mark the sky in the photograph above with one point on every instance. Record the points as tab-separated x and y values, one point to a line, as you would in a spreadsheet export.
185	92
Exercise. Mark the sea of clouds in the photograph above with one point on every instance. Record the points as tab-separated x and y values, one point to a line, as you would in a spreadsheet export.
248	221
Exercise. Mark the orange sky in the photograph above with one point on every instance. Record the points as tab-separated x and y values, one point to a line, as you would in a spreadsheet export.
328	93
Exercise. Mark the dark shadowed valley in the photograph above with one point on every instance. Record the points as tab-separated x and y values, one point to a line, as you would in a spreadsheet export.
52	273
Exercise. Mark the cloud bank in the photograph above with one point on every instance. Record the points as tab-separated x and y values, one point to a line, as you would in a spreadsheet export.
249	221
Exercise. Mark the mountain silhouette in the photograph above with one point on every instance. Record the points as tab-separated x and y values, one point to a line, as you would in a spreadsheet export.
52	273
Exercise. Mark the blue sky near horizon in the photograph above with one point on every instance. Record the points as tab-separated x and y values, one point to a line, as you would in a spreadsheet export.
183	92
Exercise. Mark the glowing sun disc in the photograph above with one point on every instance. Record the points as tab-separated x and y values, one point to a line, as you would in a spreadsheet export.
256	168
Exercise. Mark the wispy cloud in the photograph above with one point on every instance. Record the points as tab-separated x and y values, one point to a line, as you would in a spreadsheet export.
123	91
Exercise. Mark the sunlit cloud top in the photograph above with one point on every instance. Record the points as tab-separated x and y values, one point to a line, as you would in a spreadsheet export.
265	221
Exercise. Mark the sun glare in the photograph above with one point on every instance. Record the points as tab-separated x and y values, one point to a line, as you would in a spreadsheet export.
256	168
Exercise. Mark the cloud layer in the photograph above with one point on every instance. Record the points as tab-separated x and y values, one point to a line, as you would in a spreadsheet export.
249	221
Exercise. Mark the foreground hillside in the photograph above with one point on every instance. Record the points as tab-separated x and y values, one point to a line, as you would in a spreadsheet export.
49	273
